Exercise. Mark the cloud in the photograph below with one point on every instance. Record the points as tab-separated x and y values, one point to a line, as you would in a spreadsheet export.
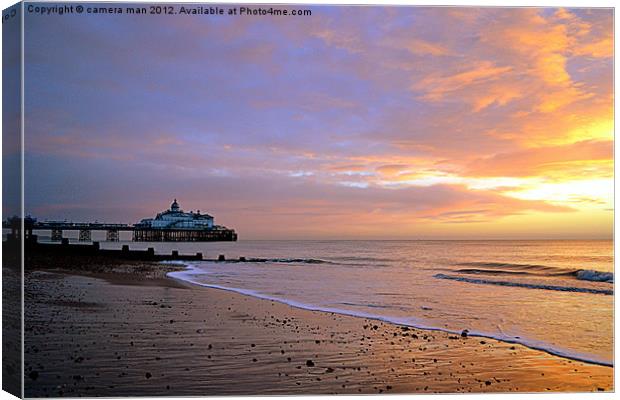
602	48
542	160
392	169
437	87
262	204
422	47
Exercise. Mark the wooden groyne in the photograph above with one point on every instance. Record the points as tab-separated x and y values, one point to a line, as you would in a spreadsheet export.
32	246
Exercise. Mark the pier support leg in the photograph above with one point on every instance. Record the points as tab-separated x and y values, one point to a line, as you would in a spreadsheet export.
111	235
56	235
85	235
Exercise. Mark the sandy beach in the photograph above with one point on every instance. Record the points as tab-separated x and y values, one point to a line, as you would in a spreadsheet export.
127	329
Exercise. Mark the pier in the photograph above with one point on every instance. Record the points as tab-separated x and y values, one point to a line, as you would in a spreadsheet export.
184	235
84	228
57	228
172	225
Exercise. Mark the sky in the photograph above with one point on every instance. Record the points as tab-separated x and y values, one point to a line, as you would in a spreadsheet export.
355	122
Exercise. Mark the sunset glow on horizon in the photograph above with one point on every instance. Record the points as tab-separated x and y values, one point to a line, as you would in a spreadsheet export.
355	122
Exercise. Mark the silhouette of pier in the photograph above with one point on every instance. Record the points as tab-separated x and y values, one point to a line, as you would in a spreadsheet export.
139	233
84	228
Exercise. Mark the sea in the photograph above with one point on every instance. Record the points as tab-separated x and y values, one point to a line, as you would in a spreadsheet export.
555	296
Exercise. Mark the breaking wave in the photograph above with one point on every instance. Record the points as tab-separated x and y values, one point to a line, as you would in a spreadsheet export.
594	276
493	268
289	260
309	261
525	285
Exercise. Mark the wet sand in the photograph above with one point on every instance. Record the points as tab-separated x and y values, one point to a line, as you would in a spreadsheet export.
128	330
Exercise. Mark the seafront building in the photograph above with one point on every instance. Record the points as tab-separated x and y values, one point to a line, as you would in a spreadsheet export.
176	225
175	218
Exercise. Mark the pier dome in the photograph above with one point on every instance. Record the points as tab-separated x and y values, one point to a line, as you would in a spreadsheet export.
175	206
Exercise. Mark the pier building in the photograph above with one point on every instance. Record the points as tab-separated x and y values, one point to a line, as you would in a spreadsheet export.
175	224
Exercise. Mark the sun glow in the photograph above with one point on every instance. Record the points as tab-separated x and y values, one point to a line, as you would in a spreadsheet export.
582	194
599	130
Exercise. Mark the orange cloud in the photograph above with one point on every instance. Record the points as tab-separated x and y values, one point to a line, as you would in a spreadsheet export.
392	169
539	161
602	48
559	98
501	94
437	87
540	48
423	47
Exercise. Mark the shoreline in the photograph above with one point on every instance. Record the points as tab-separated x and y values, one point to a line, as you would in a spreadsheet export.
303	306
158	330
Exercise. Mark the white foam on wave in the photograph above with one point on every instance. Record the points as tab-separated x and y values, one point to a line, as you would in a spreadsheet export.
595	276
608	292
191	271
